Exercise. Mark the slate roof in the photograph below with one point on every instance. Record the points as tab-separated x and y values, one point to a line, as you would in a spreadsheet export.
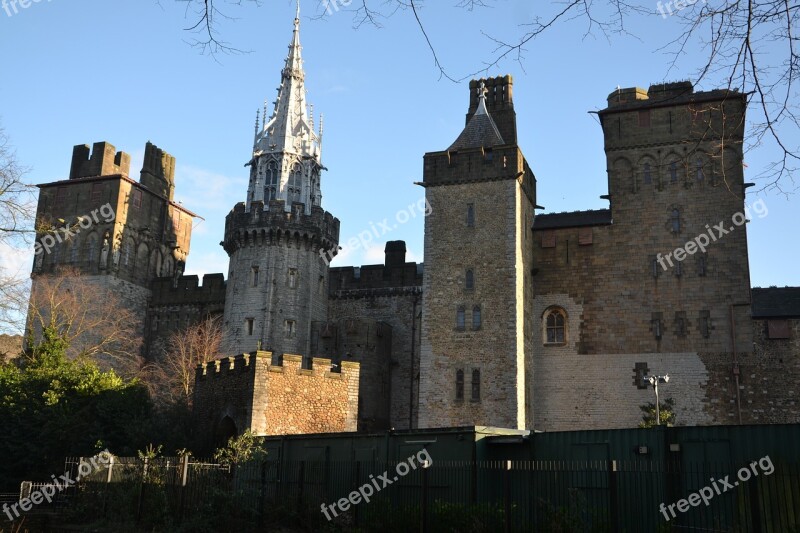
572	219
480	131
776	302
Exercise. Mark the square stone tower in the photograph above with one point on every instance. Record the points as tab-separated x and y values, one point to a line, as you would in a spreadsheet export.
475	353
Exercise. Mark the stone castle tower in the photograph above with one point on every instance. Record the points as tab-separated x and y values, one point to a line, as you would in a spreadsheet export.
280	239
475	355
123	233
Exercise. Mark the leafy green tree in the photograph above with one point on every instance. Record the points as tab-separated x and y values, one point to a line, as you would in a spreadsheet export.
53	406
246	447
667	412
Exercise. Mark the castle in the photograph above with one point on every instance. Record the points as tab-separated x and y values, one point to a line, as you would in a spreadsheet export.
519	319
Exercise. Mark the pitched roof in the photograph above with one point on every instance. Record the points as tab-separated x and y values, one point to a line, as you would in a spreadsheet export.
480	131
775	302
572	219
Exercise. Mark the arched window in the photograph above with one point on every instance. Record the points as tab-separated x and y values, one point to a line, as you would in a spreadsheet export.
460	317
648	174
476	317
295	183
556	326
271	182
459	384
470	280
675	221
673	172
698	168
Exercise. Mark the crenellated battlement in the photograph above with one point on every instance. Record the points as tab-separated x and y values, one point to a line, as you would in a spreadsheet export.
104	161
158	171
187	289
275	226
251	362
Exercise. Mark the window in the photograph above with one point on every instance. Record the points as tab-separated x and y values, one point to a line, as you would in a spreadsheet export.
255	276
292	278
471	215
476	384
777	329
136	198
678	269
459	384
271	182
248	325
295	183
460	318
655	266
673	172
675	221
702	265
705	324
476	317
290	328
556	326
680	324
470	280
648	175
656	327
644	118
97	192
698	167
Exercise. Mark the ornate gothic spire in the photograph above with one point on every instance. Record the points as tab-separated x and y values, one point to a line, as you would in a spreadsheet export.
289	129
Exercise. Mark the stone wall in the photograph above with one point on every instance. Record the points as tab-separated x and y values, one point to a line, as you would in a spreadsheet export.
250	392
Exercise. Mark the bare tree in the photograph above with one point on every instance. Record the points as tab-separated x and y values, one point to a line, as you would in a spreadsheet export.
17	212
744	46
171	378
89	316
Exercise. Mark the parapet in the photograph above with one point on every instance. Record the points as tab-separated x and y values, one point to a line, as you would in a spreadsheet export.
394	274
660	94
158	171
167	291
248	362
277	225
104	161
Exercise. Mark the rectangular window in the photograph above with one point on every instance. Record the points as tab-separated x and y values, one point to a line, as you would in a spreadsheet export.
702	265
97	193
470	215
777	329
705	324
292	278
644	118
655	326
459	384
585	236
549	239
255	276
460	321
136	199
680	324
476	384
248	325
290	328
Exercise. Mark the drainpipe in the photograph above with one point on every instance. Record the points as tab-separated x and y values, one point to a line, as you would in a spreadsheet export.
411	376
736	360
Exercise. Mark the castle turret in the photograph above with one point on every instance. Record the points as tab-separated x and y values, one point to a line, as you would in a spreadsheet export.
280	239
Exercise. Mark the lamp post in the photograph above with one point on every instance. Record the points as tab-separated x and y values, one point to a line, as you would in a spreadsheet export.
654	381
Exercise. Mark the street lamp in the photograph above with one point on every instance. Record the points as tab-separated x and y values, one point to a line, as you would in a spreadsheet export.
654	381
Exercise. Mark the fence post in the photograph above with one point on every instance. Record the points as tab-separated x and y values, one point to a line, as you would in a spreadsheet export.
755	507
507	496
184	466
141	491
108	484
424	507
301	481
613	497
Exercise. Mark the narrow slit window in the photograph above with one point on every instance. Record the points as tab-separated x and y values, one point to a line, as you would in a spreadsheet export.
460	312
476	317
476	384
470	280
459	384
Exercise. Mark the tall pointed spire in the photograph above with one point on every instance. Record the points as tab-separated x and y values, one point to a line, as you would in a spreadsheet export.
286	162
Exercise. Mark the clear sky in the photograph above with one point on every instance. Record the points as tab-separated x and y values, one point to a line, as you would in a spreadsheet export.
82	71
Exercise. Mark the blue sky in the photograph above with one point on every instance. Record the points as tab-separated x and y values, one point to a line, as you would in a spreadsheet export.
83	71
